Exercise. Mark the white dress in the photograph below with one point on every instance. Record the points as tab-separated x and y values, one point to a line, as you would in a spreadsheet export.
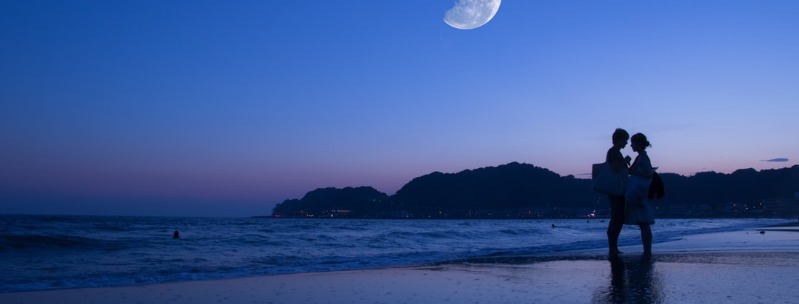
637	208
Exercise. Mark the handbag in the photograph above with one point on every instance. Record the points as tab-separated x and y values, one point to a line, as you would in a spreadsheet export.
606	181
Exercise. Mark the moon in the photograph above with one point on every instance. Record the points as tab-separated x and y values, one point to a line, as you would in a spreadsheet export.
470	14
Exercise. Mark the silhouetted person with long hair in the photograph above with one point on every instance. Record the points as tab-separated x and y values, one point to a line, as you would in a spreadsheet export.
618	163
638	210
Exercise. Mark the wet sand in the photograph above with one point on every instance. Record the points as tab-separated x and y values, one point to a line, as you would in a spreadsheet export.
730	267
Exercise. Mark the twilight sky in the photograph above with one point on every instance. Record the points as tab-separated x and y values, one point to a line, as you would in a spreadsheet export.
228	107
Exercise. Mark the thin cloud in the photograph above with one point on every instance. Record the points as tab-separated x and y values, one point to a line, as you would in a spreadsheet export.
777	160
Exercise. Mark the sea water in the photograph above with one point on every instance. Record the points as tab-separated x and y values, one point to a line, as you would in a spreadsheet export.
54	252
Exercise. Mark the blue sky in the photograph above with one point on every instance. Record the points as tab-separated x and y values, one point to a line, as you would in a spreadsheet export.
226	108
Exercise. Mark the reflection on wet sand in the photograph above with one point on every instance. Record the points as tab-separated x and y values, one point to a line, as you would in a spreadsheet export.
632	280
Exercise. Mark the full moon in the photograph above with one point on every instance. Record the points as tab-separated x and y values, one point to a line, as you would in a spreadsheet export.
470	14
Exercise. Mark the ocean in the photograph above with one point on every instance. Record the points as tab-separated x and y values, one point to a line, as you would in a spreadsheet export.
56	252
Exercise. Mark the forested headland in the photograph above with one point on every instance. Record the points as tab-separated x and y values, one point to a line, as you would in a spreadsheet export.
518	190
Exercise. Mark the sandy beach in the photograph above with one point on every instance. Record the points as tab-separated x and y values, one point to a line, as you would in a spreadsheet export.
731	267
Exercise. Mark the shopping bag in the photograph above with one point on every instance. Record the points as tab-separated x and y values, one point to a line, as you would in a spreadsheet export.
606	181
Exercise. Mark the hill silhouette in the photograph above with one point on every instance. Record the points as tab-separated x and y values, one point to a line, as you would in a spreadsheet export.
506	187
361	202
518	190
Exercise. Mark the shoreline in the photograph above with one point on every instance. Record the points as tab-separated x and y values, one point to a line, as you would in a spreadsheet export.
744	266
732	277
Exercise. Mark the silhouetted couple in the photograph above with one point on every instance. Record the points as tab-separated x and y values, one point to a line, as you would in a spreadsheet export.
632	208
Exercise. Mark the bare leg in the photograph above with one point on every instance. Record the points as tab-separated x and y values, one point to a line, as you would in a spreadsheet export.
646	238
616	223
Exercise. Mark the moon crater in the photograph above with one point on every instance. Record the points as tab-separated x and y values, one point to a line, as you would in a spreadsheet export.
470	14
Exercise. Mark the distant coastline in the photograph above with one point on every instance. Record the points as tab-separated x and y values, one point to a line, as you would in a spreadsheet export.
517	191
